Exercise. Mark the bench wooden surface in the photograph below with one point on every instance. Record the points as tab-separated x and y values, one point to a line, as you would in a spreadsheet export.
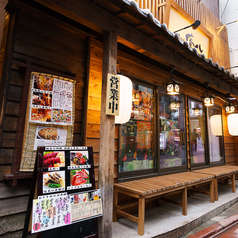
150	188
220	172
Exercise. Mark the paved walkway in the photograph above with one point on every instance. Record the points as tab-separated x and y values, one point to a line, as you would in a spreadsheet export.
223	225
166	221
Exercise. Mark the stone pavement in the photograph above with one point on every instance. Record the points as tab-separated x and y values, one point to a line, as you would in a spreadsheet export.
167	220
223	225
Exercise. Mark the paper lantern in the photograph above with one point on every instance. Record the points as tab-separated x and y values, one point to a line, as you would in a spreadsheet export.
232	124
125	103
216	125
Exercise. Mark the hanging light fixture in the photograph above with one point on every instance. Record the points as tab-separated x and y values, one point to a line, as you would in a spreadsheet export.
195	25
208	99
196	111
174	105
172	86
230	108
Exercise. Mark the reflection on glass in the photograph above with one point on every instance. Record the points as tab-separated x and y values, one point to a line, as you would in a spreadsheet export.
172	132
215	133
136	144
197	134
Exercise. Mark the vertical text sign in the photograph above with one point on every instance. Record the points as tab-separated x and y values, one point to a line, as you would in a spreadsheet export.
113	98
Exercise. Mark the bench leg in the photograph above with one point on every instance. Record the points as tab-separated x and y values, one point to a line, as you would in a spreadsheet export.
115	203
212	190
184	201
233	182
141	216
215	189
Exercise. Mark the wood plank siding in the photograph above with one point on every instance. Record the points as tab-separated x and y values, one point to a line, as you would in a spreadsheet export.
51	45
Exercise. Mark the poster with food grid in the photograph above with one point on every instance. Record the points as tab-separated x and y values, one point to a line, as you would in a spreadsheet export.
51	100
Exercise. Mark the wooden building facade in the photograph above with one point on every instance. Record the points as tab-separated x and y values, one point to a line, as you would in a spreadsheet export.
84	41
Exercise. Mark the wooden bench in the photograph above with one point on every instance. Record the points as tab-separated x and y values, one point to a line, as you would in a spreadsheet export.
150	188
219	172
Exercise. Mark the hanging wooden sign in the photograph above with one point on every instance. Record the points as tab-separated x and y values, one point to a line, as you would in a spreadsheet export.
113	95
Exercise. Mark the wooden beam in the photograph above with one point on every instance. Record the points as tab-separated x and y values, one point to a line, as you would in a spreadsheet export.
107	130
99	19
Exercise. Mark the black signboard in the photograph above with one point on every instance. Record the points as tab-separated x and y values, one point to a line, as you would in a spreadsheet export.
63	199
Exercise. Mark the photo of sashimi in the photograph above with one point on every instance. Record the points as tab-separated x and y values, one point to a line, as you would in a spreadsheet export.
54	159
79	177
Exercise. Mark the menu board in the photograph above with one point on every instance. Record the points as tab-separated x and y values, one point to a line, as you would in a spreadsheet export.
65	169
65	188
51	100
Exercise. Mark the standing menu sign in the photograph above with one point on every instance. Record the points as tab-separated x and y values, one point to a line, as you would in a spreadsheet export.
65	194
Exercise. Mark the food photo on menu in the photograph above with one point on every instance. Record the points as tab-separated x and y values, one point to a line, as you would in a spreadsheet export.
79	177
39	114
54	159
42	99
42	82
53	181
79	158
60	115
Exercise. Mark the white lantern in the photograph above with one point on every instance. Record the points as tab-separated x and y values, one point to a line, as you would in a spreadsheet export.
232	124
125	103
216	125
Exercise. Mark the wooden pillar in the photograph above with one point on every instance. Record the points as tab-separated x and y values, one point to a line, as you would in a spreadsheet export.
107	132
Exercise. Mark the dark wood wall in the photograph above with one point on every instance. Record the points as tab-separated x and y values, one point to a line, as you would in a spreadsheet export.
50	44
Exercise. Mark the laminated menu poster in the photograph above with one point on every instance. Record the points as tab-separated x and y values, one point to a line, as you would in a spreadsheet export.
51	100
50	212
57	210
86	205
49	136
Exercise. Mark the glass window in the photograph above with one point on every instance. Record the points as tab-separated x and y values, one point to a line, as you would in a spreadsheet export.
197	131
215	133
136	142
172	131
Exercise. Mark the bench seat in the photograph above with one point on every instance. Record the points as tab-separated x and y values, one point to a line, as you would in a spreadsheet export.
219	172
149	188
